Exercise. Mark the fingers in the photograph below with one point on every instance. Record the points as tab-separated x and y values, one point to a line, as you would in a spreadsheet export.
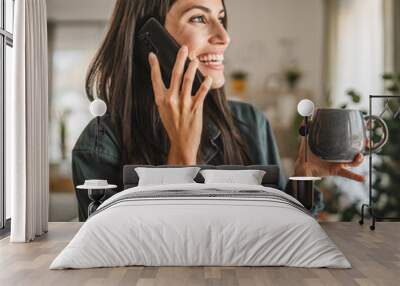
188	83
350	175
156	79
198	99
357	160
178	69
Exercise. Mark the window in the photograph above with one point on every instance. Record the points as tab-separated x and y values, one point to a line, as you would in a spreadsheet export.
358	57
6	44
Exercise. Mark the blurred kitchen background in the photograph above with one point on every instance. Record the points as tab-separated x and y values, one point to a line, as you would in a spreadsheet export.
334	52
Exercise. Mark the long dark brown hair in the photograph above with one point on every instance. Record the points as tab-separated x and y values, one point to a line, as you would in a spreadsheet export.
116	77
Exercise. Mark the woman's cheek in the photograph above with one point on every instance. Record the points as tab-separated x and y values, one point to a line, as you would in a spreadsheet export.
194	41
197	44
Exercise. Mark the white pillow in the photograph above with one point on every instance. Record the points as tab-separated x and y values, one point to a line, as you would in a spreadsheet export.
161	176
248	177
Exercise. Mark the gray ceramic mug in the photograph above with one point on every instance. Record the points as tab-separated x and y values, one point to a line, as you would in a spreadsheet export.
338	135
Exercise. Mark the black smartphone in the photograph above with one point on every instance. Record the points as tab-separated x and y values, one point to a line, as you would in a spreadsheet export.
153	37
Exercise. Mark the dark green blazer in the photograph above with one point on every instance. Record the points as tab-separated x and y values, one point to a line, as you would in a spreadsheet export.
106	162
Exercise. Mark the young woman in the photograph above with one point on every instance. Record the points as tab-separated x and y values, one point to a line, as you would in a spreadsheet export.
148	122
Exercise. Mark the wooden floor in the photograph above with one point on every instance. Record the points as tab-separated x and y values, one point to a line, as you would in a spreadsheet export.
374	255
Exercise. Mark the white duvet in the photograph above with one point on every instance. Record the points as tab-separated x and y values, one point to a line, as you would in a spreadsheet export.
183	231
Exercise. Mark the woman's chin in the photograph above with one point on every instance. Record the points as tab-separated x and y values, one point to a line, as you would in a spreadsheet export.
218	77
217	83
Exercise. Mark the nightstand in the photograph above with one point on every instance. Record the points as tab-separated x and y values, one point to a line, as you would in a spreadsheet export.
96	192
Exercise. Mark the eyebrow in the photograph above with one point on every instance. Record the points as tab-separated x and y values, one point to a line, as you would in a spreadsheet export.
205	9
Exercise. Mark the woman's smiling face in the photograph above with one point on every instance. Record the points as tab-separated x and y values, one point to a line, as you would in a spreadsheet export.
198	25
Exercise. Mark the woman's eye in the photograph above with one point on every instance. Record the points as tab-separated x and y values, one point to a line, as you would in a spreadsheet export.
198	19
202	19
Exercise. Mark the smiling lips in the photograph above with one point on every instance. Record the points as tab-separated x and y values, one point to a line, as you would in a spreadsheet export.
213	61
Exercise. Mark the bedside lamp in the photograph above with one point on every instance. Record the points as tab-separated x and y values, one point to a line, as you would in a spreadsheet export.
96	188
305	108
98	107
303	186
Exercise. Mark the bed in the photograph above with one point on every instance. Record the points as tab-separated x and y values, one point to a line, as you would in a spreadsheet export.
201	224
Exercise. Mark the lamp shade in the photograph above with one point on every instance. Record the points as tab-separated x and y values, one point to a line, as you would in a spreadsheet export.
98	107
305	107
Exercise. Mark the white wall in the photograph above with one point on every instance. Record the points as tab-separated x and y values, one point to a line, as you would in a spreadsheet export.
257	28
73	10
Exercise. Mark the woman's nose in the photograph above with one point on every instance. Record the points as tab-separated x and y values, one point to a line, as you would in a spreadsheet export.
220	35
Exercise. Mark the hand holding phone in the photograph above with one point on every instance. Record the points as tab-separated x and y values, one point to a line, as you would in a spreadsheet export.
179	103
153	37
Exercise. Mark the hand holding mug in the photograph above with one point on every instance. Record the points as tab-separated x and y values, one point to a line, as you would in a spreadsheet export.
337	139
316	167
338	135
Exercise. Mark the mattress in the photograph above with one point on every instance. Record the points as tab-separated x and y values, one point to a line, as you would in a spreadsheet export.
201	225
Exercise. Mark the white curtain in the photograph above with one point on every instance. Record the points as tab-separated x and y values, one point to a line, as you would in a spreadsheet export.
356	49
26	129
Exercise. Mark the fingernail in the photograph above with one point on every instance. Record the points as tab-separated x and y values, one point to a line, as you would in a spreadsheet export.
151	57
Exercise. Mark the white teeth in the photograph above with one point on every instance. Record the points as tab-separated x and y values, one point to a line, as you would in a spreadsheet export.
212	58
